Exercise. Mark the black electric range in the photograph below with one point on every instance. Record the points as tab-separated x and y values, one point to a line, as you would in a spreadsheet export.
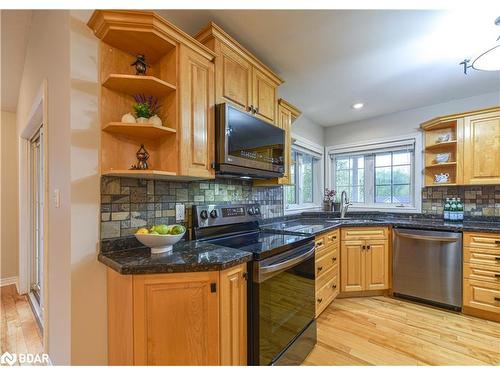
281	281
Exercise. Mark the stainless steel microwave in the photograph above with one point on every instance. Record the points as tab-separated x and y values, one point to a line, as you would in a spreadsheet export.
246	146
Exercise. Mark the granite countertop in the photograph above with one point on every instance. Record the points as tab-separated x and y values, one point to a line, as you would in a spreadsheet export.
321	223
187	256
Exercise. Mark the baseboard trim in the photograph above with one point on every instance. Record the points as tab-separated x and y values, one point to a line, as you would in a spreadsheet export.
9	281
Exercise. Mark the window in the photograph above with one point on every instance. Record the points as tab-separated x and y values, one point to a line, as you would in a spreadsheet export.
377	177
305	188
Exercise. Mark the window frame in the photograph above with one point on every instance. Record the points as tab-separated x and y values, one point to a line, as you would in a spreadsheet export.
301	146
377	146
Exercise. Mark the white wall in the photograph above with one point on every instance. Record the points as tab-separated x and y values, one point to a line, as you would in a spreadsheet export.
405	122
47	57
88	276
9	197
305	128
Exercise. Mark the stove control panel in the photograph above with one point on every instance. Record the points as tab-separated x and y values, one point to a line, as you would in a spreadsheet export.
213	215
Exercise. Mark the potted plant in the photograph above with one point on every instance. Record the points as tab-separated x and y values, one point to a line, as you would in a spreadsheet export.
328	199
146	109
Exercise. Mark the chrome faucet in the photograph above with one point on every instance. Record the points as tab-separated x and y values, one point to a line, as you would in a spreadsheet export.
344	204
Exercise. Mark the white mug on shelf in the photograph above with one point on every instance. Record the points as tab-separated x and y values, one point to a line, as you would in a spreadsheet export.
443	157
445	137
442	178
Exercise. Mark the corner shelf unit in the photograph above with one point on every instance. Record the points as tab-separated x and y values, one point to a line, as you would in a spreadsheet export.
444	128
134	84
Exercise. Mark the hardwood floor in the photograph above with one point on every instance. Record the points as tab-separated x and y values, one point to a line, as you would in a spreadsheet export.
19	331
386	331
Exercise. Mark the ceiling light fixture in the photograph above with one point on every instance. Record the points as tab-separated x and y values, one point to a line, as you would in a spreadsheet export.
487	61
357	106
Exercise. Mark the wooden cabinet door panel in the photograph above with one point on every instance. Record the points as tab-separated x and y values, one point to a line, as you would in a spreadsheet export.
264	96
197	126
482	295
352	272
482	149
233	313
236	78
377	265
176	319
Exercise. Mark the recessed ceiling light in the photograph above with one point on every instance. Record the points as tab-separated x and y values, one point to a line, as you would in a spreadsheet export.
357	106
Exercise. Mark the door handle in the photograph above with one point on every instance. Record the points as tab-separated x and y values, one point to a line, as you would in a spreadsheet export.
497	275
497	242
497	259
497	298
426	238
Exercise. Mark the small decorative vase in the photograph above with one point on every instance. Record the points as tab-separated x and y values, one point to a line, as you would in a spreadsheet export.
142	120
155	120
128	118
327	206
336	206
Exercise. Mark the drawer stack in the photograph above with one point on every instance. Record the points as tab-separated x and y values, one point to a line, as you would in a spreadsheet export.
327	269
482	274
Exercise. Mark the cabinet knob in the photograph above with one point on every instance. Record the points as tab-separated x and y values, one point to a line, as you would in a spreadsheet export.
320	300
497	298
334	259
497	242
320	269
497	275
497	259
334	286
245	275
364	247
368	247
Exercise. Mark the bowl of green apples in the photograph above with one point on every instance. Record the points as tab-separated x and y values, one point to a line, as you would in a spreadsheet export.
160	238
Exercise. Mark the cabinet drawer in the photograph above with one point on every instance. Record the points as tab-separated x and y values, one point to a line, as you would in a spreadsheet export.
325	295
326	262
326	277
482	272
320	245
482	256
482	240
482	295
365	233
332	237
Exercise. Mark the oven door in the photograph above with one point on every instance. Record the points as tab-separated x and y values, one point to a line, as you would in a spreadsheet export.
283	302
247	144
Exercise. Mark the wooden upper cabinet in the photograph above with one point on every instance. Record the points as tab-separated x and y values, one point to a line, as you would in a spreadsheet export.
197	117
264	96
234	78
176	319
482	149
233	316
241	78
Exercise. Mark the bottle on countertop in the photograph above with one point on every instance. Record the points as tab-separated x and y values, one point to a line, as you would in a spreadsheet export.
453	210
446	211
460	210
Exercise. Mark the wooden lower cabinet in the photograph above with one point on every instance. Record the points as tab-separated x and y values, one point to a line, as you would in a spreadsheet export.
365	259
481	272
195	318
327	261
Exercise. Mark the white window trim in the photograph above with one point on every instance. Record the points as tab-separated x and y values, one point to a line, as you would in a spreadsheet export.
304	144
378	144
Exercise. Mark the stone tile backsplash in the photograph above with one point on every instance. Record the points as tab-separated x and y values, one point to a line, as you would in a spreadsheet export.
481	200
128	204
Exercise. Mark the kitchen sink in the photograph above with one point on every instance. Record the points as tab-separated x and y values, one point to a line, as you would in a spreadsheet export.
352	220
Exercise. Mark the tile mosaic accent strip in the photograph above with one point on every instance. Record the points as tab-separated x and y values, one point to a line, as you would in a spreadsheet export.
128	204
478	201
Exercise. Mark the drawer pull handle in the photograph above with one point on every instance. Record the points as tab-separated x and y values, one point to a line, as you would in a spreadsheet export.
497	299
320	300
368	247
497	259
364	247
320	269
497	275
319	244
497	242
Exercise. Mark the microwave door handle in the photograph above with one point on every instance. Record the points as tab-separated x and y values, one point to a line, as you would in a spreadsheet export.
426	238
266	272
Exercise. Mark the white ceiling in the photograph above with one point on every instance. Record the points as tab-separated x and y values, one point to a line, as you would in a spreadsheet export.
390	60
15	31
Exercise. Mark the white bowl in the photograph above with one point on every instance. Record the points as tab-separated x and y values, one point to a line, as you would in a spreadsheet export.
159	243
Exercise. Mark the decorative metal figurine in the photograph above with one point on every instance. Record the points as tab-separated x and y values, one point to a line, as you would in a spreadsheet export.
140	65
142	159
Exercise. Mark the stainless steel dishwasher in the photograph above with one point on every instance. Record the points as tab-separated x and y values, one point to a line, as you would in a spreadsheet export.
427	266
